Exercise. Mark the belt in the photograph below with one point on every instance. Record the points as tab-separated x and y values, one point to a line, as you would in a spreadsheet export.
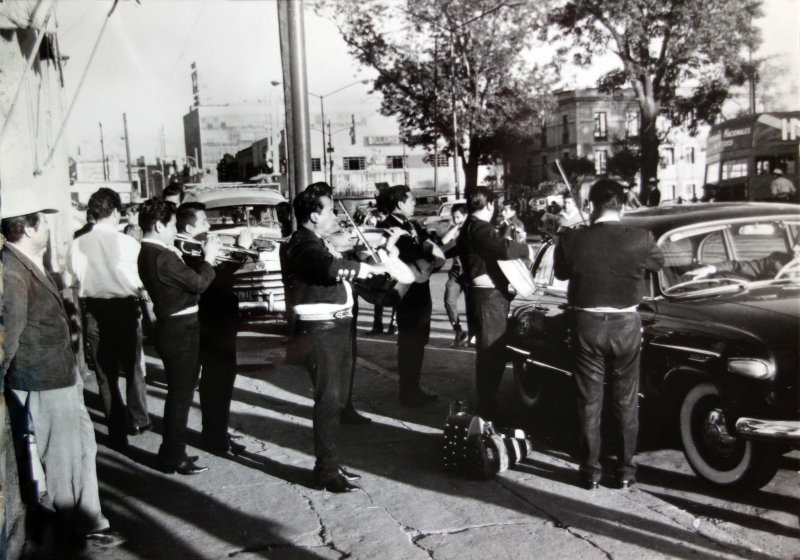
326	311
187	311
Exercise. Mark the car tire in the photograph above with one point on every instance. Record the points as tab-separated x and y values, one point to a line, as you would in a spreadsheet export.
713	452
529	383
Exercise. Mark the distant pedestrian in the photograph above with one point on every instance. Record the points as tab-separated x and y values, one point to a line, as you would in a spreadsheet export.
652	196
455	286
780	187
605	264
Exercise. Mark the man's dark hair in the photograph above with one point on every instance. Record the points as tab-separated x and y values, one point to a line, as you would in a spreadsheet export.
479	198
322	187
459	208
173	189
186	215
155	210
14	228
606	194
513	204
310	201
388	199
103	202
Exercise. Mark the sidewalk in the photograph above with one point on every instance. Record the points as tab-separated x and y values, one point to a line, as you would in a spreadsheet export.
262	505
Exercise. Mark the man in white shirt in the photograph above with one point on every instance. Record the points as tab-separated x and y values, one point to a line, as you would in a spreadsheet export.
104	262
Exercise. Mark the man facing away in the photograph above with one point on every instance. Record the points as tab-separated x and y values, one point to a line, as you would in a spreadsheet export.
219	327
175	290
605	264
479	248
317	281
44	389
104	262
415	308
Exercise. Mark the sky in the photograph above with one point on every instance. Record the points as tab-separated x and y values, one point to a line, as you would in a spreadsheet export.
142	65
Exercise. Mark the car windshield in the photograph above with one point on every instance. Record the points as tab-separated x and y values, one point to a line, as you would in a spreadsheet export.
723	257
231	216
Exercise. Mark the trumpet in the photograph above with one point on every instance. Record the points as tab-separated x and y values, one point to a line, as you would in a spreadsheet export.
223	247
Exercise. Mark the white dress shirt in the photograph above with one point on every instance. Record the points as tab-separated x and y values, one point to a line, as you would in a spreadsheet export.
104	262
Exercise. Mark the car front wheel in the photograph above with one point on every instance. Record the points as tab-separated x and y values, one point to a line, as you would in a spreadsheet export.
529	383
715	453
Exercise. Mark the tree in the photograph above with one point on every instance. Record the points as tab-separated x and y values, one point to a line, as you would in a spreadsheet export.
663	45
625	164
499	98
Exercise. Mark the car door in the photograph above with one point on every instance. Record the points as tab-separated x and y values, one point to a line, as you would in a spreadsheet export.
550	336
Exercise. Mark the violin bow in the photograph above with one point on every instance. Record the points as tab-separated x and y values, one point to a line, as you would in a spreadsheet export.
359	233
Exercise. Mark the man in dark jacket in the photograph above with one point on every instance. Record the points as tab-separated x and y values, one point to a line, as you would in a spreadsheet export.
317	282
44	389
479	248
175	290
605	264
415	308
219	327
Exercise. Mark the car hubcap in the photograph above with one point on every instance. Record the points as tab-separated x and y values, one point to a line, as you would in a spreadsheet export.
715	433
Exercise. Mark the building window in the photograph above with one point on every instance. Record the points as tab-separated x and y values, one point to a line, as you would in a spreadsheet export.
632	124
600	126
441	160
688	155
564	129
667	157
354	163
316	164
395	162
600	161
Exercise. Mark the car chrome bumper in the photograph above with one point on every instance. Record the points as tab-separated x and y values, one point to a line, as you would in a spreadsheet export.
785	431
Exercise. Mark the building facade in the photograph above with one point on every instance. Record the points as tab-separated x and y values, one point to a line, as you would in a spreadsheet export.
588	123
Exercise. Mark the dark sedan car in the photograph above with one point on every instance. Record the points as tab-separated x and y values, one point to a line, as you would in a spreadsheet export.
720	335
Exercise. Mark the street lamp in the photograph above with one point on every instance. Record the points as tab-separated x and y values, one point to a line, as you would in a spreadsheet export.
325	148
451	31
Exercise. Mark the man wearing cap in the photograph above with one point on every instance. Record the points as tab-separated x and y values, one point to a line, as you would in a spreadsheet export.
653	196
103	261
41	375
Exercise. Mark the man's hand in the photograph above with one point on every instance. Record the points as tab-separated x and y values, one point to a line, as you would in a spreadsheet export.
211	249
245	238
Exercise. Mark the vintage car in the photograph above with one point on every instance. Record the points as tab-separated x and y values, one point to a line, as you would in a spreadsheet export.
719	363
232	207
438	224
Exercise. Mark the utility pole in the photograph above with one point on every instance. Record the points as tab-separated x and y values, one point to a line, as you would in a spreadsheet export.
127	146
330	151
103	152
322	128
455	115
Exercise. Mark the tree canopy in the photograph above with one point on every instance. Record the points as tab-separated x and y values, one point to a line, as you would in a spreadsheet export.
499	97
665	47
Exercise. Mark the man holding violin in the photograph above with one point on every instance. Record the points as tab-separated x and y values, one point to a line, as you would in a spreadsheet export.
175	290
414	309
219	326
317	281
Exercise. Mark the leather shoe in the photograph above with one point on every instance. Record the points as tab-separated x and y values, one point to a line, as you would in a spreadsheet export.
337	485
589	484
351	416
427	397
139	430
185	467
390	330
626	483
411	400
105	538
376	331
350	476
236	448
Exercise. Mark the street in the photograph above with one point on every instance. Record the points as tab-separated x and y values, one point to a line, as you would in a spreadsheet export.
262	504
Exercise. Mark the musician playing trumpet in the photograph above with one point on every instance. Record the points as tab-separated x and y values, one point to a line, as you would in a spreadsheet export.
479	247
219	326
317	281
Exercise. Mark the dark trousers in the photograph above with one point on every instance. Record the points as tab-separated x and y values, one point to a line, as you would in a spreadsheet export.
452	290
489	315
113	334
606	347
413	332
178	344
327	348
218	362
